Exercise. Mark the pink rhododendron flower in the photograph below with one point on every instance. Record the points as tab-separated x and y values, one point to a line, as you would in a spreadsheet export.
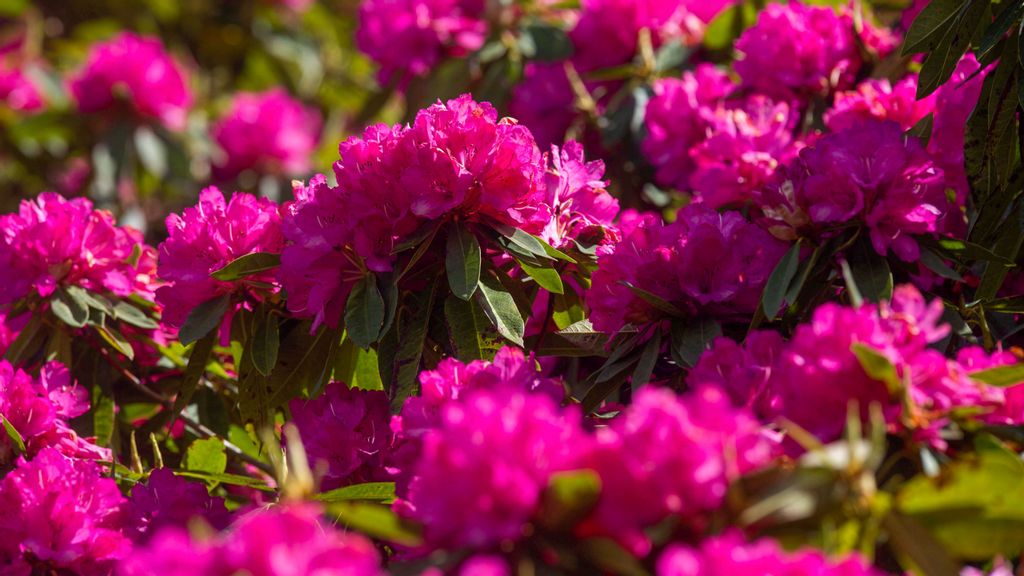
742	371
169	500
269	132
543	101
954	102
490	458
580	205
52	242
347	431
10	328
18	91
482	565
279	541
408	38
880	100
138	70
39	409
207	237
705	263
643	481
729	554
798	51
871	174
59	513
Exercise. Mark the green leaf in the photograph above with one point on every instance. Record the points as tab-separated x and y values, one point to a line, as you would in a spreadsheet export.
657	302
725	28
914	540
928	28
376	521
648	359
940	63
466	324
1006	19
223	478
462	261
778	283
878	366
569	497
690	338
203	319
567	309
1001	376
197	361
377	491
116	340
206	455
411	333
129	314
935	263
152	151
364	312
13	435
973	506
610	557
103	415
28	342
544	42
265	344
869	276
500	308
923	129
247	265
671	55
545	276
69	310
521	242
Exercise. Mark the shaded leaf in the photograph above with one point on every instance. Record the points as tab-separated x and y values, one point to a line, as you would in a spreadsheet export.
203	319
376	521
265	344
777	287
500	308
462	261
247	265
364	312
690	338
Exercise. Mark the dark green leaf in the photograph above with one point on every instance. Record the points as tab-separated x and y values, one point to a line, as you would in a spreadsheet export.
411	333
610	557
466	323
265	343
869	273
544	42
1010	305
648	359
569	497
1001	376
378	491
71	311
129	314
28	342
930	26
222	478
500	308
247	265
935	263
941	62
116	340
657	302
206	455
690	338
778	283
203	319
1006	19
197	361
462	261
525	243
364	312
913	540
923	129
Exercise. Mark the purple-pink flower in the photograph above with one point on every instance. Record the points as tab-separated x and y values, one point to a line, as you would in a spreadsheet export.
268	132
871	174
346	433
408	38
138	72
705	263
798	51
18	91
667	454
53	242
730	554
59	513
169	500
283	540
742	371
581	208
879	99
207	237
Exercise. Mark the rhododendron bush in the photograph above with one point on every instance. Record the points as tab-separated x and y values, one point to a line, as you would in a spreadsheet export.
470	287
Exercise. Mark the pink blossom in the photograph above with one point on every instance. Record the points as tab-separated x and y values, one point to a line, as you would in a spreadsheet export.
10	327
346	432
59	513
39	409
580	205
880	100
18	91
138	70
798	51
954	102
482	565
284	540
490	458
269	132
544	102
207	237
408	38
742	371
675	122
870	174
52	242
642	482
169	500
705	263
729	554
